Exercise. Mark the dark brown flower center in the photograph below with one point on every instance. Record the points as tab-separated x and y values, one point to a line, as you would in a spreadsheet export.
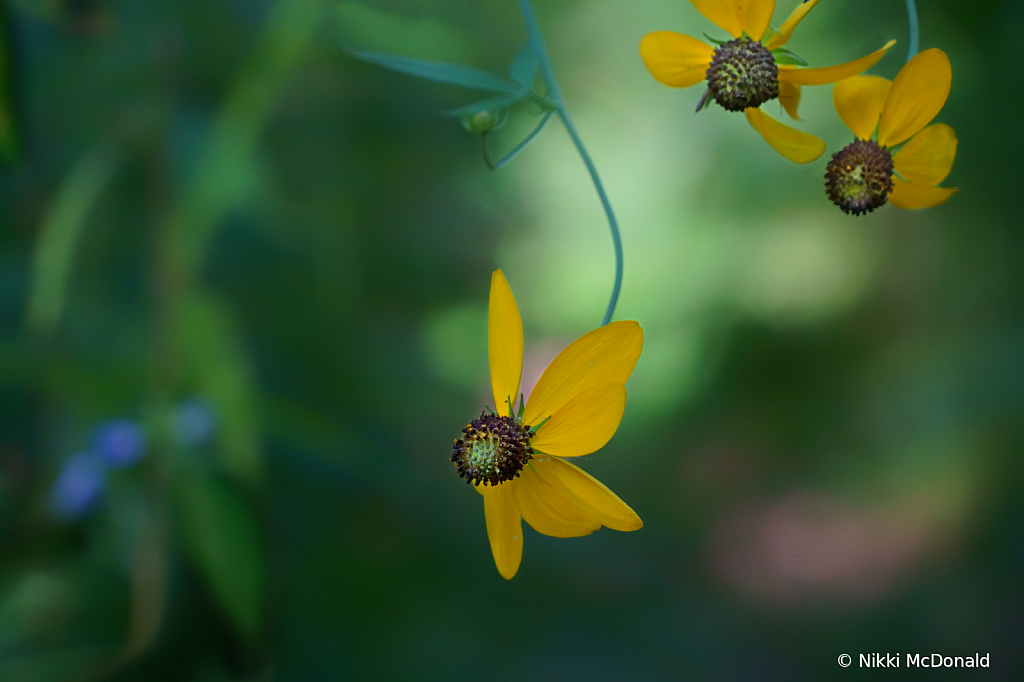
858	179
493	449
743	74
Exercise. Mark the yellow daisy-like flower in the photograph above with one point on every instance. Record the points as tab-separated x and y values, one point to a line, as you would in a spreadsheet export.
517	461
860	178
742	73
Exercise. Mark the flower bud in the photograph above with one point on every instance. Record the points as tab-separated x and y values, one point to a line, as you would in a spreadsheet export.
483	120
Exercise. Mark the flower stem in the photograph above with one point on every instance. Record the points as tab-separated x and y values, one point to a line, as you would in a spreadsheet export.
912	18
555	96
495	165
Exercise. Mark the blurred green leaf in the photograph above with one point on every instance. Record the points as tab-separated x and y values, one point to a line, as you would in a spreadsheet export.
50	664
524	66
491	103
442	72
423	35
223	177
59	235
215	366
221	533
10	147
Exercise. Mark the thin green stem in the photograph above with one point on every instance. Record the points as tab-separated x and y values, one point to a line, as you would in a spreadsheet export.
518	148
606	204
914	32
555	96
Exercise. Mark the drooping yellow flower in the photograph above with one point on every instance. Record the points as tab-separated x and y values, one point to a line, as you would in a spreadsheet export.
517	461
742	73
860	178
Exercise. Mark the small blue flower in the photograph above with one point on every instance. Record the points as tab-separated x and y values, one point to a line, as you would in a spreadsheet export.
78	486
194	423
121	442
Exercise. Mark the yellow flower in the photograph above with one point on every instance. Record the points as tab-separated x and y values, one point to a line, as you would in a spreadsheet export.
860	178
517	461
742	74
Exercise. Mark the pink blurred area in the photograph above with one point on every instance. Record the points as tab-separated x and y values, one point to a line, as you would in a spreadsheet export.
811	547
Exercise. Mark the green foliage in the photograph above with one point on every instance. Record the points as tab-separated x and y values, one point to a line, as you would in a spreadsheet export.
220	530
215	367
523	69
60	234
225	175
441	72
279	237
10	144
498	102
392	29
522	72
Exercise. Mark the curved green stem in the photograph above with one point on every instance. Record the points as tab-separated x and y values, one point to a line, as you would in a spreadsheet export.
555	96
606	204
912	18
518	148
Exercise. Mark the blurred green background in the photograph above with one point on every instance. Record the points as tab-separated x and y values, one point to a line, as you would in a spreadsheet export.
243	286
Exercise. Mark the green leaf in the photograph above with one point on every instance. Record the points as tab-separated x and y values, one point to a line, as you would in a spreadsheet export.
221	533
713	40
10	146
524	66
384	31
489	104
215	366
226	170
442	72
784	56
60	234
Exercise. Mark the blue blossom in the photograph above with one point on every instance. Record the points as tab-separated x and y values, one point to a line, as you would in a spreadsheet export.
78	486
120	442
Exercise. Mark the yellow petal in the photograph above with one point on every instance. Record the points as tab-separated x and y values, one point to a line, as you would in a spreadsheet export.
918	93
786	31
585	423
588	494
676	59
547	510
504	342
859	100
928	157
797	146
722	13
831	74
504	527
754	16
608	353
913	195
789	95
